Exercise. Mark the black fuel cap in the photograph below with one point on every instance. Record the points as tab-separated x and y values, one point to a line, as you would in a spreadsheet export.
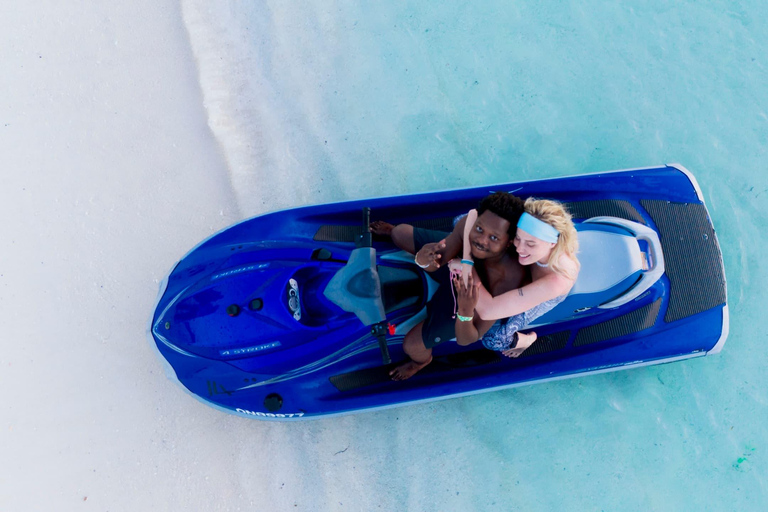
273	402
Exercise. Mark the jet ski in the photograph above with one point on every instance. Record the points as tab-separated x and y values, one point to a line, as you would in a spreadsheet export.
301	313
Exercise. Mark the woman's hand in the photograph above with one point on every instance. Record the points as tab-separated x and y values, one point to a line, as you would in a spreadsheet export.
430	254
466	294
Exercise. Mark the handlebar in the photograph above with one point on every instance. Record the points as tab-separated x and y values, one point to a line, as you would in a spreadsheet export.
356	288
379	330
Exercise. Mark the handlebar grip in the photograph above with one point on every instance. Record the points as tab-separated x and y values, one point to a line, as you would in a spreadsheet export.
379	330
366	238
385	358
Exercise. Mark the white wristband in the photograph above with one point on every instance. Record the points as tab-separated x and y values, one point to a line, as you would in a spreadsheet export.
416	261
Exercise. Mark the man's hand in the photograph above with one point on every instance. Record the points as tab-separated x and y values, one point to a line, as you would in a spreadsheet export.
430	254
466	294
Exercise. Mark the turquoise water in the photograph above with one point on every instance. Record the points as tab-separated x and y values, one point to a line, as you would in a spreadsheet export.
323	101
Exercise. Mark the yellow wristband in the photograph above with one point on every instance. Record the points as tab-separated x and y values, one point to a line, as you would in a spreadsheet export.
464	318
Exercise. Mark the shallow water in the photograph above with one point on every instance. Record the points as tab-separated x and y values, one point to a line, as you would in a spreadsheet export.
326	101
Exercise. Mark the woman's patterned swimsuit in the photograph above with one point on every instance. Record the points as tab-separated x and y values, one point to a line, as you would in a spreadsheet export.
501	336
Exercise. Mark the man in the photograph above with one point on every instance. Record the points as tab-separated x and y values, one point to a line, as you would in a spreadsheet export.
490	240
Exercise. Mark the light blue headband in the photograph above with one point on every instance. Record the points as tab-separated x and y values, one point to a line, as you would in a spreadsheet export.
538	228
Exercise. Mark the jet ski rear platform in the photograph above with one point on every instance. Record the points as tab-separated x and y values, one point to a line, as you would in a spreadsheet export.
255	322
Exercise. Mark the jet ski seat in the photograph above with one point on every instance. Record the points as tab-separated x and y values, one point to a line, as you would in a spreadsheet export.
611	263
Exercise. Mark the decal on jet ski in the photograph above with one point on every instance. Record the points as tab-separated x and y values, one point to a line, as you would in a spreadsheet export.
249	350
217	389
644	295
271	415
238	270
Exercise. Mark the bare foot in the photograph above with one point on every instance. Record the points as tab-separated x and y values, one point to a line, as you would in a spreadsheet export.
523	342
379	227
407	370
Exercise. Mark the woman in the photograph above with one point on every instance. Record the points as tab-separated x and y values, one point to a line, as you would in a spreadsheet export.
547	243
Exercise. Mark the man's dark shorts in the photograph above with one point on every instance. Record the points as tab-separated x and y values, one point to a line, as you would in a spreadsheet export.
440	324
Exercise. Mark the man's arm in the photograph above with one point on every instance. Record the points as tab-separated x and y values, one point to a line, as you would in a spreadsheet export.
435	255
469	326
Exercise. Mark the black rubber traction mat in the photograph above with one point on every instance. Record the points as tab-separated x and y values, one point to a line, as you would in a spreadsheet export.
361	378
337	233
692	258
548	343
579	210
332	233
446	363
609	207
379	374
636	321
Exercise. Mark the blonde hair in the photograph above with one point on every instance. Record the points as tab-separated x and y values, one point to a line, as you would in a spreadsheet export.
555	214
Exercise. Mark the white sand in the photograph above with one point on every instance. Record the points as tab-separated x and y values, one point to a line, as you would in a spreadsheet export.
109	174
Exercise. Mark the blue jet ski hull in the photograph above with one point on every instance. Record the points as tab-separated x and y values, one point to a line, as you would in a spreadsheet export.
245	325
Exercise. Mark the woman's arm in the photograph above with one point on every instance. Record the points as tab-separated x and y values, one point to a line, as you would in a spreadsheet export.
469	222
522	299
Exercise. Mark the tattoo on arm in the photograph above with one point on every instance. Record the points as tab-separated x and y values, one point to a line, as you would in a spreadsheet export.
520	291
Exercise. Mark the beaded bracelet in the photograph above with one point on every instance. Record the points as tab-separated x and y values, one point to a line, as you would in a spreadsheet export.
464	318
